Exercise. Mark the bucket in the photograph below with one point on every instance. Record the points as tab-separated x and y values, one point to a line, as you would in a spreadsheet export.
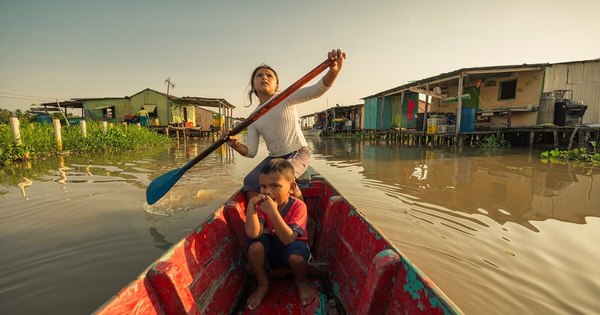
156	122
467	120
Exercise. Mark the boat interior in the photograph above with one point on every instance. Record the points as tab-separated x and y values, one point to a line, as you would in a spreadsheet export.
354	269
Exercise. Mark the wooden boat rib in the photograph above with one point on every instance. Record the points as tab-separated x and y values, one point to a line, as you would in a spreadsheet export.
355	269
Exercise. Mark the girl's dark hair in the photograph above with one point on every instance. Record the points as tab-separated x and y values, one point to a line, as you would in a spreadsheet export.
279	166
252	90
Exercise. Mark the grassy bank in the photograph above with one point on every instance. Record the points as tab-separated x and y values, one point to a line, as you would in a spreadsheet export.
38	140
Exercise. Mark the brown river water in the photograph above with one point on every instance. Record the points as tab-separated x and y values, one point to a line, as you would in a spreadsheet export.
499	234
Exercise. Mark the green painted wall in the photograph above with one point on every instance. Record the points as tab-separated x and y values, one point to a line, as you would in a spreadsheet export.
150	97
396	111
473	101
120	105
410	122
130	106
373	113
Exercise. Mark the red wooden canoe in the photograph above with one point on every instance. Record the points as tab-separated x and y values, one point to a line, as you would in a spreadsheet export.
355	269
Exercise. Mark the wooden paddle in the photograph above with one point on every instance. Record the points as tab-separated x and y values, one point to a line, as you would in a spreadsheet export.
162	184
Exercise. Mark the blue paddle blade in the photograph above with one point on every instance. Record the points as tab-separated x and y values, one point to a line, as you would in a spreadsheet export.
162	184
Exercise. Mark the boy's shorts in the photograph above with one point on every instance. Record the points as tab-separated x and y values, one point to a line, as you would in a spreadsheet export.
299	160
276	253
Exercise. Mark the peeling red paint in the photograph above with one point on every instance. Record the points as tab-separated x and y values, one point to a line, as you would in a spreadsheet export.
205	273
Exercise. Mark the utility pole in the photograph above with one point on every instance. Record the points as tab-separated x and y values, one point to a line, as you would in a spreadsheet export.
169	85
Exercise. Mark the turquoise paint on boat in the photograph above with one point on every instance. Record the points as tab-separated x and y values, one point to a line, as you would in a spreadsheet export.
436	302
336	288
387	253
374	231
322	310
412	285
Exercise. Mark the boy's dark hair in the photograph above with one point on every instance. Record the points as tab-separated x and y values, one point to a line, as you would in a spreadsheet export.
281	167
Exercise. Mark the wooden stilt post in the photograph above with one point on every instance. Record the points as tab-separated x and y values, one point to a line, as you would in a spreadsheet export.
184	136
531	138
83	126
16	131
57	134
459	106
582	138
426	112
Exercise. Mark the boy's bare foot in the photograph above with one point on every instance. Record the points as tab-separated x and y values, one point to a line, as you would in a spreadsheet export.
257	297
305	292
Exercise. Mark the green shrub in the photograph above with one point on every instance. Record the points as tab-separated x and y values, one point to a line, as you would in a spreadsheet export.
491	145
38	140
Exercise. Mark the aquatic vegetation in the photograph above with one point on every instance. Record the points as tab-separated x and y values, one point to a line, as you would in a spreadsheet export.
38	140
579	155
491	145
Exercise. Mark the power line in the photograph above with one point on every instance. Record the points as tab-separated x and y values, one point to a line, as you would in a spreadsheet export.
26	97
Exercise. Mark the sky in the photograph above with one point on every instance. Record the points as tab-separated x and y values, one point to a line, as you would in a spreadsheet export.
64	49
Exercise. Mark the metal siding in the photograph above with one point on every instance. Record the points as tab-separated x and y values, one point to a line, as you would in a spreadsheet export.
396	112
581	77
94	108
387	113
371	112
204	118
151	97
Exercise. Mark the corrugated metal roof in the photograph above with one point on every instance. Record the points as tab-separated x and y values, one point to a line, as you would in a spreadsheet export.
454	74
207	102
577	61
198	101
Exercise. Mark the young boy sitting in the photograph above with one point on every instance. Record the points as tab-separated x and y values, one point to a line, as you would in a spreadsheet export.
276	225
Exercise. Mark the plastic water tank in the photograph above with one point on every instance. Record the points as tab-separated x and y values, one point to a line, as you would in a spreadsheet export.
467	120
546	110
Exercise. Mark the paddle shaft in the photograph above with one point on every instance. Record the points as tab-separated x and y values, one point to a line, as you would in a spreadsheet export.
162	184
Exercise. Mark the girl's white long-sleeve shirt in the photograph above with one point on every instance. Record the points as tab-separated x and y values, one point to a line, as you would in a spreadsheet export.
280	127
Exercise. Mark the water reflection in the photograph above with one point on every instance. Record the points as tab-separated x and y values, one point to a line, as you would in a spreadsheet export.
160	238
61	170
507	188
486	229
24	184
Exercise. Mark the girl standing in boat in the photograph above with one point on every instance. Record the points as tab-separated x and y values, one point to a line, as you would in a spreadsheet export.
280	127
